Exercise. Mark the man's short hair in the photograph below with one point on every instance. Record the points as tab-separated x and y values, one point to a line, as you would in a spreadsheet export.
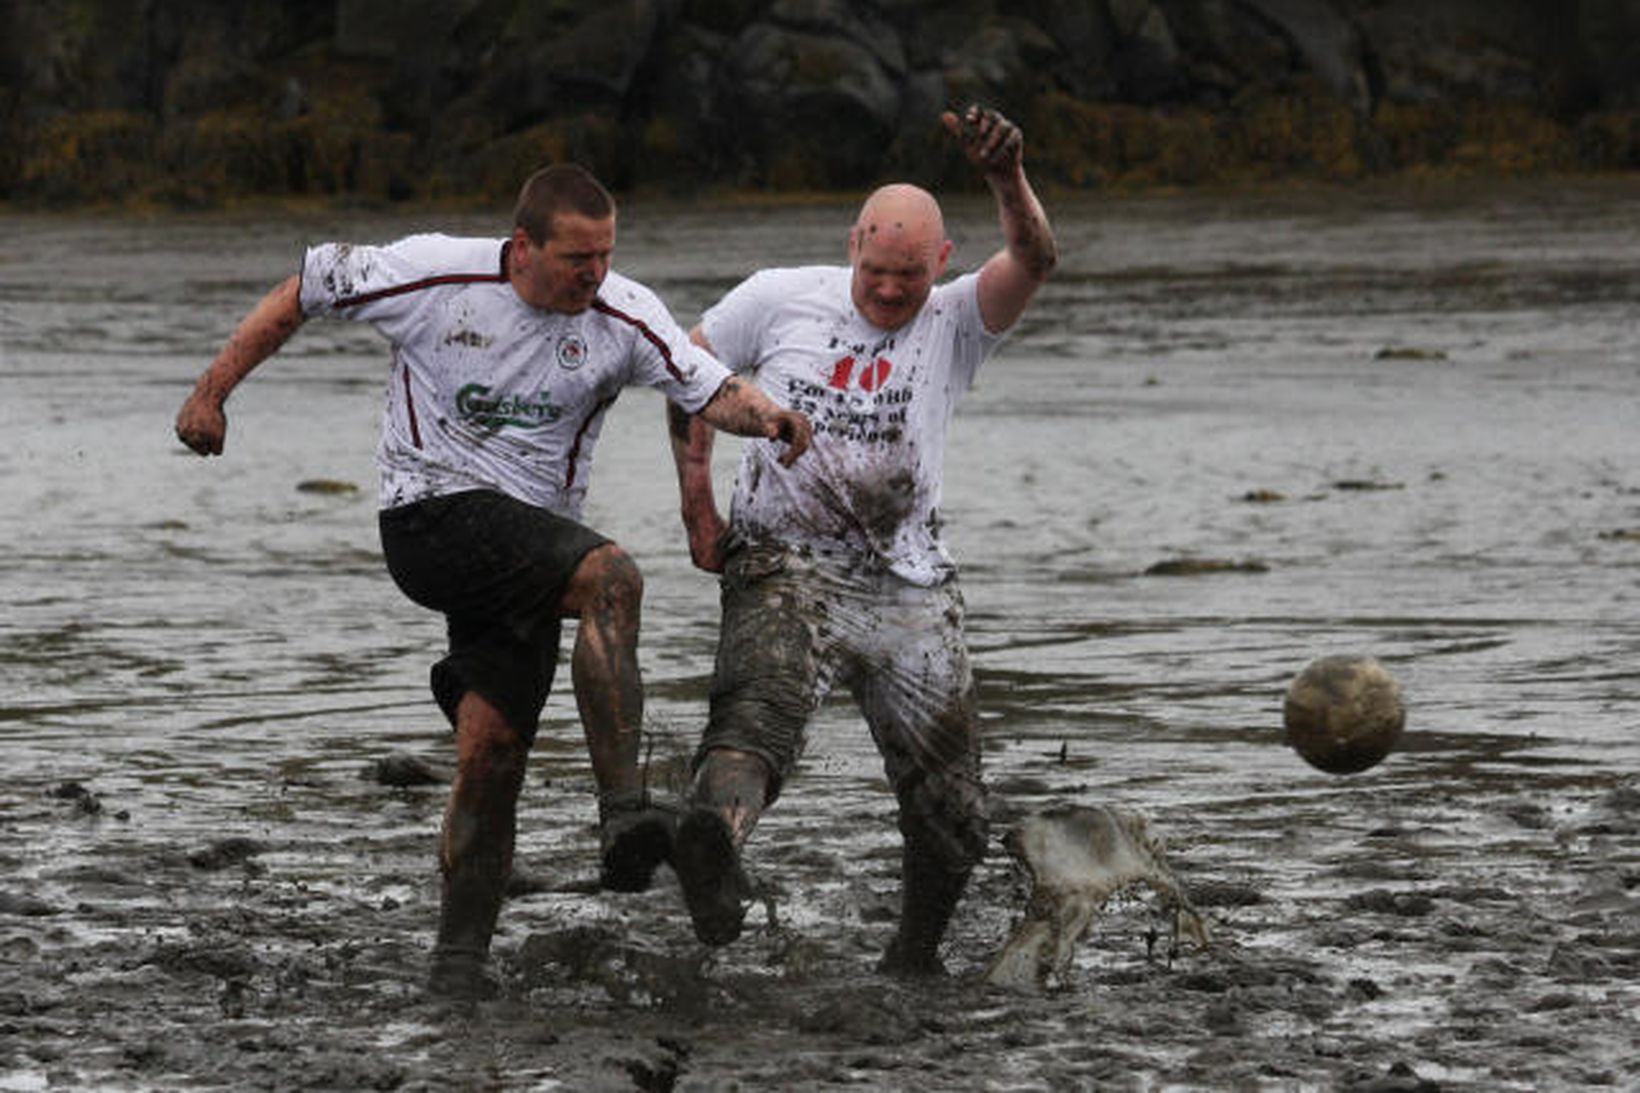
561	188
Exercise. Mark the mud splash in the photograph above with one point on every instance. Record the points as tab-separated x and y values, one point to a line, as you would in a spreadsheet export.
1077	858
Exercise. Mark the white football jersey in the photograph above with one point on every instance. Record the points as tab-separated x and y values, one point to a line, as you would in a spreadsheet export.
487	392
881	403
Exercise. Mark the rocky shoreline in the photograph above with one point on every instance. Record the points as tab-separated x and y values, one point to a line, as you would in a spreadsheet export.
187	105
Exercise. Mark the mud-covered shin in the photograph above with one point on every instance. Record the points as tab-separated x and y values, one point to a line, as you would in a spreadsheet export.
475	858
929	891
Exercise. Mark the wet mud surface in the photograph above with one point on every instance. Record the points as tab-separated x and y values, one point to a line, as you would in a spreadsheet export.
223	774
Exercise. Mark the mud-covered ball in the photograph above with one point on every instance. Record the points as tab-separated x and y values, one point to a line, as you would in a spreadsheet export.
1344	713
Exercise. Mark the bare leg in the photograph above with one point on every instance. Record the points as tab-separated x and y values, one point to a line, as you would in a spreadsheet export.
606	592
476	844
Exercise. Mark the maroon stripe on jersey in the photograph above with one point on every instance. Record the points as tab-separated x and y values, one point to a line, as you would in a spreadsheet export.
580	434
653	338
417	286
410	410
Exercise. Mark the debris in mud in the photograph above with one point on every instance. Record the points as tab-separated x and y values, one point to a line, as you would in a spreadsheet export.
1384	902
26	906
226	852
327	486
1625	535
583	956
403	770
1408	353
1196	567
1366	485
85	802
1077	858
1263	496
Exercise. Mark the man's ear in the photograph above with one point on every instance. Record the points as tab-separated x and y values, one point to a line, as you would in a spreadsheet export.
945	256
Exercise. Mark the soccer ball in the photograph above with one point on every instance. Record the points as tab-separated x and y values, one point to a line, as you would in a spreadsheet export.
1344	713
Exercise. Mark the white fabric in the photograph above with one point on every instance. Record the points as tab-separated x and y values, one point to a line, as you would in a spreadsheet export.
487	392
881	403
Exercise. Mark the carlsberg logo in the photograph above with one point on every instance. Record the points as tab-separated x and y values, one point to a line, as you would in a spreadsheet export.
476	406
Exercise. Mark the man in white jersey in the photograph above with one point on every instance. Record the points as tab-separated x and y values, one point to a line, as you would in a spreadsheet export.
506	355
833	568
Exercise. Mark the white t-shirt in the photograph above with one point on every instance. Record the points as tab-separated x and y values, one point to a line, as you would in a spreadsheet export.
486	391
881	403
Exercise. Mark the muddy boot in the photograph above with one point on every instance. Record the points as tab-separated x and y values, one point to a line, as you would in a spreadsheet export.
708	867
928	897
462	975
466	921
475	870
635	833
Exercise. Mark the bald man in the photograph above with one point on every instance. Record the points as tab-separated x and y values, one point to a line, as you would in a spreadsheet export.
833	571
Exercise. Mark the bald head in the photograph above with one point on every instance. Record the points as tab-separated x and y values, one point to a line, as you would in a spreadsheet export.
902	212
898	250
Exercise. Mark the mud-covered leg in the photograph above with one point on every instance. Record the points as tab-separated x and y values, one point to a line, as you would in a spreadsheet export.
635	835
730	790
943	821
929	892
476	846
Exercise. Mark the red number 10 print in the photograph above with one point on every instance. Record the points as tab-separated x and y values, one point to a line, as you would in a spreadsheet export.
871	377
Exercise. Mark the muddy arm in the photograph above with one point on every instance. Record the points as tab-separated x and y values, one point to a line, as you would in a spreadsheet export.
692	453
1009	278
201	423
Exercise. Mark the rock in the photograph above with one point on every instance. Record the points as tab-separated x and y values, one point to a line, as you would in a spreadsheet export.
27	906
1196	567
829	91
1329	43
200	103
225	852
327	486
403	770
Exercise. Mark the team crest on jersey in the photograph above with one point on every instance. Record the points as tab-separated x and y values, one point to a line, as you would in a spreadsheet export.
572	351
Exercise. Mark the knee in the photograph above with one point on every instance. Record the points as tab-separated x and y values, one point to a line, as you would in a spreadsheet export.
487	745
607	579
946	820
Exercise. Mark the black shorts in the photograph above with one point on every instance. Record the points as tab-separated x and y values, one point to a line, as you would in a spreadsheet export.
496	568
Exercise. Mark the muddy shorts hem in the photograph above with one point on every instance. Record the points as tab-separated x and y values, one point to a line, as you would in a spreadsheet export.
496	568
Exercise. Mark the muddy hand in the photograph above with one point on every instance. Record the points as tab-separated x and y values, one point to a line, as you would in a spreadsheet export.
795	430
202	425
990	141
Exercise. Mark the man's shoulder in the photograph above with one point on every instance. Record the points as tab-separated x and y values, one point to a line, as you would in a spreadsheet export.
623	297
784	287
816	277
454	253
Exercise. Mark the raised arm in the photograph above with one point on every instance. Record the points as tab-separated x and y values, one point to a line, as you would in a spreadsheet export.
1010	277
201	423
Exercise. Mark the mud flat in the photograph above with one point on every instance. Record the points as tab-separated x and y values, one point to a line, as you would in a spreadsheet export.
223	774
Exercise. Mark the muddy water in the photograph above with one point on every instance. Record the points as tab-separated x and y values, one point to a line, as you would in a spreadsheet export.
1395	423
